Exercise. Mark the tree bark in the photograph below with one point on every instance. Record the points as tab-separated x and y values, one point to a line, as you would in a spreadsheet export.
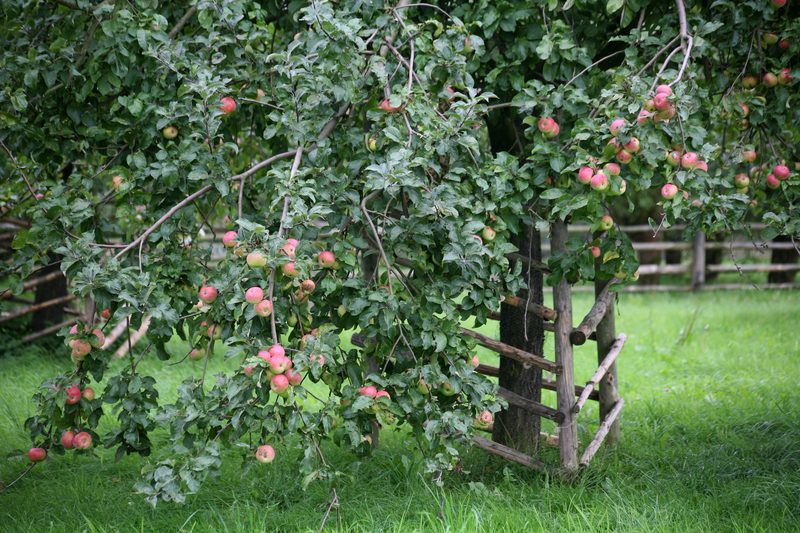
46	292
516	427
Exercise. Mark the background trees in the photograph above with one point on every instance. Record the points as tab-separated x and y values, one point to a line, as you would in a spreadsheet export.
388	135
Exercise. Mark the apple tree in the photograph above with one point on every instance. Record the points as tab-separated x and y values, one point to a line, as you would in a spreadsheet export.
374	164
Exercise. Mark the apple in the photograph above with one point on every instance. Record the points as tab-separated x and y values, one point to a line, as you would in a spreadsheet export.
599	182
585	175
697	203
326	259
633	145
446	389
279	364
67	439
369	390
667	113
37	454
673	159
554	132
616	126
170	132
290	271
612	169
208	294
595	251
228	106
749	82
197	354
744	124
293	242
382	394
467	47
745	109
97	339
105	313
215	332
741	181
315	358
341	310
423	388
664	89
308	286
745	190
546	125
265	355
644	117
229	239
256	260
88	393
279	384
748	156
783	44
773	182
689	160
82	441
474	360
295	378
73	394
486	418
289	249
117	182
254	295
372	144
769	38
781	172
488	234
650	105
661	101
784	78
248	371
80	349
770	79
669	191
264	308
606	223
265	454
386	106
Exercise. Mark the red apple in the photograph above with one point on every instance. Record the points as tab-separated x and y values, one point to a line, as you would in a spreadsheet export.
197	353
669	191
624	157
88	393
784	78
67	439
595	251
80	349
208	294
265	454
264	308
783	44
633	145
612	169
383	393
278	364
546	125
37	454
748	156
741	181
73	394
97	339
326	259
486	418
673	159
781	172
667	113
290	271
256	260
229	239
295	378
770	79
773	182
228	106
702	165
749	82
552	133
254	295
585	175
386	106
488	234
289	249
369	390
82	441
661	101
315	358
117	182
105	313
644	117
599	182
308	286
689	160
279	384
616	126
664	89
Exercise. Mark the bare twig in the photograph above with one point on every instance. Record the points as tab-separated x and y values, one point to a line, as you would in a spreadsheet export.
14	160
20	477
182	22
584	71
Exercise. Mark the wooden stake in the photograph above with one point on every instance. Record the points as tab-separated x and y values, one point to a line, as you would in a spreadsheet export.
513	353
565	382
36	307
512	455
601	433
699	261
536	408
49	331
606	337
601	371
536	309
598	311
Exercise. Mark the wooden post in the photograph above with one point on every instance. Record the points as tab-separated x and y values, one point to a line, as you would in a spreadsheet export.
698	261
606	333
565	382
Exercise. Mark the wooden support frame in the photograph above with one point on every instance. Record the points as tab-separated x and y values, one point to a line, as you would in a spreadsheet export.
513	353
547	384
532	307
36	307
34	283
512	455
565	382
49	331
531	406
593	446
601	371
581	333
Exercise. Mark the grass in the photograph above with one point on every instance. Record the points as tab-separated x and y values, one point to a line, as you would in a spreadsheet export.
710	435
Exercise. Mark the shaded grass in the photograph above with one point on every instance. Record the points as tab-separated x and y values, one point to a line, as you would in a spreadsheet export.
711	442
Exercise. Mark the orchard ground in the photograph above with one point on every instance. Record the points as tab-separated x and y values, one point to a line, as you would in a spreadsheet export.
710	442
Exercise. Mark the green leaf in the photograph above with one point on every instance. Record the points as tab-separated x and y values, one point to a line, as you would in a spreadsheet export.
614	5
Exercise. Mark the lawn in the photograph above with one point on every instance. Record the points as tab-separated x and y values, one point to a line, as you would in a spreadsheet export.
710	442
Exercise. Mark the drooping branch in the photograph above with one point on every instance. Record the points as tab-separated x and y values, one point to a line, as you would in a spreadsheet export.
182	22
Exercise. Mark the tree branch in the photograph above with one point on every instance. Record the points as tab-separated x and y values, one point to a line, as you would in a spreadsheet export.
182	22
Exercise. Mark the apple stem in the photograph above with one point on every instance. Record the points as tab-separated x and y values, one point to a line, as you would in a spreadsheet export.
20	477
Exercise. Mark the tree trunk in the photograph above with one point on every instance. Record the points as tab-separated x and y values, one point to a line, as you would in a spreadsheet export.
781	257
515	427
45	292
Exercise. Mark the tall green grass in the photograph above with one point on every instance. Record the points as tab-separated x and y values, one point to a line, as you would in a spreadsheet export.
710	442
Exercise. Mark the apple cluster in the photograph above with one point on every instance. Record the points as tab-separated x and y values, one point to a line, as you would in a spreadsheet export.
84	342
